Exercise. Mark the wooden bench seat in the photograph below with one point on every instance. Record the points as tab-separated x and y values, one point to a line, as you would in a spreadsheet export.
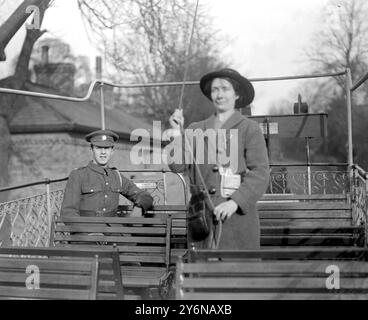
143	245
259	274
59	278
286	220
178	240
109	280
308	220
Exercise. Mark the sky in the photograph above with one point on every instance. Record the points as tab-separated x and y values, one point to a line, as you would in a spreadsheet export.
267	39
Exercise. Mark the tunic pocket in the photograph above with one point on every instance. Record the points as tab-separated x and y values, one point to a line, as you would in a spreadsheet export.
117	190
90	189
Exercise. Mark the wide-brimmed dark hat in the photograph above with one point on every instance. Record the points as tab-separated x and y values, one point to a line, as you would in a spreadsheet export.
246	94
102	138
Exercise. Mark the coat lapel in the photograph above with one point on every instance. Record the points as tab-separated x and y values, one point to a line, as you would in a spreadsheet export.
210	122
233	121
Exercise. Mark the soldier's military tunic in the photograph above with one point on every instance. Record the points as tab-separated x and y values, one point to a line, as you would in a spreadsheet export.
94	191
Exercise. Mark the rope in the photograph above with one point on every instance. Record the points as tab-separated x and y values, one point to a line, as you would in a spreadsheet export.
187	53
217	229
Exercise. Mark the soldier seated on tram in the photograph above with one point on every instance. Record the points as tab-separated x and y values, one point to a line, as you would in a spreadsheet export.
93	190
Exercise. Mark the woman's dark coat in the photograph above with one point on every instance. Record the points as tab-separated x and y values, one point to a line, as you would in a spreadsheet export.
242	230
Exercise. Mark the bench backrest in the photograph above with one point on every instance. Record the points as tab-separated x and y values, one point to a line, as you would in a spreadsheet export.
59	278
286	220
143	245
139	240
261	274
109	279
305	220
178	237
305	210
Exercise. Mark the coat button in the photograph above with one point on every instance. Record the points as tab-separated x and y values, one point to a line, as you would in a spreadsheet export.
215	168
212	190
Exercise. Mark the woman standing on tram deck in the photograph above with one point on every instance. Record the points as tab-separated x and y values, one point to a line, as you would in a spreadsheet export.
247	171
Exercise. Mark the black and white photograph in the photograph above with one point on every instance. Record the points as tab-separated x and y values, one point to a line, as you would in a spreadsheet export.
182	155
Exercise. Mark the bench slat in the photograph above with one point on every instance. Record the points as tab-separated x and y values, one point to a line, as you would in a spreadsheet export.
305	223
281	283
68	294
60	279
112	239
113	220
285	252
306	214
303	206
44	264
142	258
301	229
272	296
285	196
107	230
285	267
307	241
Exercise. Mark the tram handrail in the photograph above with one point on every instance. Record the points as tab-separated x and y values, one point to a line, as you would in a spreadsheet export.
45	181
361	171
359	82
157	84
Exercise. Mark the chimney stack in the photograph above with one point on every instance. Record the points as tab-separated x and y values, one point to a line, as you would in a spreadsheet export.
59	76
98	67
45	55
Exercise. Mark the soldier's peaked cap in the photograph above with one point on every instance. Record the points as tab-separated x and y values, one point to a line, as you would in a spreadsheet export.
102	138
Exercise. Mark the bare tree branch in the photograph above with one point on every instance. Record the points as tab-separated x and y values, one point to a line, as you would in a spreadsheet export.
147	43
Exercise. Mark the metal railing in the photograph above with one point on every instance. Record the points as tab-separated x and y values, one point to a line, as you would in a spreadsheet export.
290	178
358	175
360	197
103	83
27	221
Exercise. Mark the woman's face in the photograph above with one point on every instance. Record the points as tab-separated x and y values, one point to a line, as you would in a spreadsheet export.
223	95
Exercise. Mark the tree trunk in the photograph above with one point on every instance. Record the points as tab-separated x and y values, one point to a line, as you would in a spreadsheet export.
9	103
10	27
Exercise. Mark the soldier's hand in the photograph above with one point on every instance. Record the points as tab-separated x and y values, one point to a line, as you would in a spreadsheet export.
177	119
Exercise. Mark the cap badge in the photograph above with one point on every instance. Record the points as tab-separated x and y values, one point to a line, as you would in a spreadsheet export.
104	138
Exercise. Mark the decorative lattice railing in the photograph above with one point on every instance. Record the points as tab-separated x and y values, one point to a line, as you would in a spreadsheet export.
27	221
360	196
314	182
